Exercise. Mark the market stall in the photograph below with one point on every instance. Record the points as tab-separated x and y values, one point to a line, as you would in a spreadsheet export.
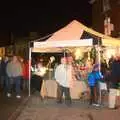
50	85
70	37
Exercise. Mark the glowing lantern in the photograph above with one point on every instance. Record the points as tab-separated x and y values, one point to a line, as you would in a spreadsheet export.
78	53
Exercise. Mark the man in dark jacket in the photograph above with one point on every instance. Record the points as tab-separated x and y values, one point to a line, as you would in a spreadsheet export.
114	81
115	72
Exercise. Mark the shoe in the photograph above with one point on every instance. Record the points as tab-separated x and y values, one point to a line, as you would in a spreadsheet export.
97	105
18	96
8	94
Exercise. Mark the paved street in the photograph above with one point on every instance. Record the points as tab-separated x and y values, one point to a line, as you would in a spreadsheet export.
50	110
8	106
32	108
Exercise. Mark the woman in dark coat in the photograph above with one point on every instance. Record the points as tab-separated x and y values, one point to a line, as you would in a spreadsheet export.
37	77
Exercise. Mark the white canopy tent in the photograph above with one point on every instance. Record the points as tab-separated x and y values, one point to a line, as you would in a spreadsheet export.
69	36
72	33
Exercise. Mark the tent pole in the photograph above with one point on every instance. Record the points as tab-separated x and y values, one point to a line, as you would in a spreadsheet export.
99	58
29	69
99	62
65	65
64	53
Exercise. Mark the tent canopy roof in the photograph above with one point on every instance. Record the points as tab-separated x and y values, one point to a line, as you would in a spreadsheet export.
72	33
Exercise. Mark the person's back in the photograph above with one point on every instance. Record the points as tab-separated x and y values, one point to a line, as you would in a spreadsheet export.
26	70
91	79
115	72
114	82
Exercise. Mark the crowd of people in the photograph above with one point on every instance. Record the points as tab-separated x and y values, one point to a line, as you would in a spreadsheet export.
15	70
14	75
109	74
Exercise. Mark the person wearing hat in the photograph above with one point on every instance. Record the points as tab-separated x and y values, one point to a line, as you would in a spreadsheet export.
93	78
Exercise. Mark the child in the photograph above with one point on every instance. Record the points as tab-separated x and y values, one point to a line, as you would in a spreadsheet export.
93	78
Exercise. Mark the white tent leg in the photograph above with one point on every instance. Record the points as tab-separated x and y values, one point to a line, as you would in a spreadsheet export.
99	62
29	70
99	58
100	96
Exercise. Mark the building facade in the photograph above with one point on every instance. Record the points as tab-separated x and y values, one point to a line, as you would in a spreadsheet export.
21	45
106	16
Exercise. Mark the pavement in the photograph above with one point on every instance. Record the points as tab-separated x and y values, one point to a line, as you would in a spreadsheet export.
35	109
8	106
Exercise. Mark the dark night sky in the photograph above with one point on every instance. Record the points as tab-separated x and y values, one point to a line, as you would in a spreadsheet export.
44	17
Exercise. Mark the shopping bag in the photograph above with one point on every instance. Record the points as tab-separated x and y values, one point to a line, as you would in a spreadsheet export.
102	86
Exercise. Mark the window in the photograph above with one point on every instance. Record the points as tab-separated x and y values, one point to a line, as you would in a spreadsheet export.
108	26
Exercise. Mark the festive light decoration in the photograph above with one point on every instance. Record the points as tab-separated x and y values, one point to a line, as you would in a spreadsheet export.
78	53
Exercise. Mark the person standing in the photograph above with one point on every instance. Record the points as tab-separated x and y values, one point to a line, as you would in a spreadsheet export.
14	72
26	74
3	71
37	76
114	81
1	75
93	78
63	80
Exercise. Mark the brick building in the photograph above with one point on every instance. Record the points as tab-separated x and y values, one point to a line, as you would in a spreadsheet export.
106	16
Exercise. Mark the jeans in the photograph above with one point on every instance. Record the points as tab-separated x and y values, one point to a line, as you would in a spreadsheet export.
6	83
66	91
93	94
16	81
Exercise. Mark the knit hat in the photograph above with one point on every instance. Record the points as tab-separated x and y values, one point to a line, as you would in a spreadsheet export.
95	66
